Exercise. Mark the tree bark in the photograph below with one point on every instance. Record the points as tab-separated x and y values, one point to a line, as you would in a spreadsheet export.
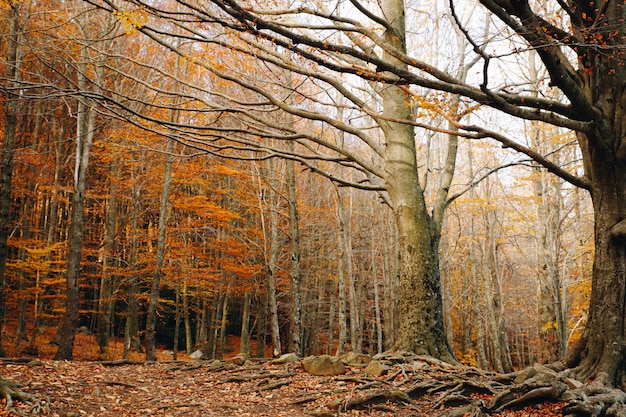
343	272
244	342
86	122
274	247
600	351
11	110
295	273
151	317
422	327
105	302
131	328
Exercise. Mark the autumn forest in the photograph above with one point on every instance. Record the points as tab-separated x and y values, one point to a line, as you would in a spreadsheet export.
317	177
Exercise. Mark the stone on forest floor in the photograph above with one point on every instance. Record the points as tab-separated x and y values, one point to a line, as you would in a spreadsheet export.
356	359
376	368
196	355
287	358
215	365
238	359
324	365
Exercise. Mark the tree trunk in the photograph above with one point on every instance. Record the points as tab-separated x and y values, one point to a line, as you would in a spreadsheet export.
11	110
105	302
86	122
131	329
187	320
601	350
274	248
344	270
422	327
377	308
177	316
151	317
295	273
244	342
261	324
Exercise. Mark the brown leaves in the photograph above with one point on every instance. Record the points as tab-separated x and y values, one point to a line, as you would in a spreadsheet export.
261	389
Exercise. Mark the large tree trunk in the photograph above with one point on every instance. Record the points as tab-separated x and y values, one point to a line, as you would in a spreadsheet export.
422	327
601	351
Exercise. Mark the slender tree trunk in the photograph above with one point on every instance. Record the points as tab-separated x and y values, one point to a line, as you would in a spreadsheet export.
53	217
295	273
344	270
274	247
261	324
244	342
223	339
86	122
11	111
151	317
379	327
177	316
131	329
187	320
105	302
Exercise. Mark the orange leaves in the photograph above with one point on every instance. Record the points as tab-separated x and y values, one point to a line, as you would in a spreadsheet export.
201	206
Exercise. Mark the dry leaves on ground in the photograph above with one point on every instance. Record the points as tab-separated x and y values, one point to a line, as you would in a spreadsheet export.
190	388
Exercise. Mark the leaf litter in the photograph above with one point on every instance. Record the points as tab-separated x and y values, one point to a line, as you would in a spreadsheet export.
262	388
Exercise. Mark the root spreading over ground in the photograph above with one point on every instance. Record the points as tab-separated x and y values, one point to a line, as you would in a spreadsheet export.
412	386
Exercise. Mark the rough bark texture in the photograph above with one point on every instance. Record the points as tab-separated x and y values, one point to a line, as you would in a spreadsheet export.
421	306
295	342
600	353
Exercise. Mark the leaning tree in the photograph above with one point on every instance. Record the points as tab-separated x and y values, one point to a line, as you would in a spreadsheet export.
580	44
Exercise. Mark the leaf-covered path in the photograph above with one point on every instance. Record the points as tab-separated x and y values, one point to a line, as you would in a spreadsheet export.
193	388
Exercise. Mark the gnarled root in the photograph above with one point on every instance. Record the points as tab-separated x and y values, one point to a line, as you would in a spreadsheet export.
10	392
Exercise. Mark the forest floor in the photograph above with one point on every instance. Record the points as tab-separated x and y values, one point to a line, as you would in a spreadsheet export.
262	388
187	387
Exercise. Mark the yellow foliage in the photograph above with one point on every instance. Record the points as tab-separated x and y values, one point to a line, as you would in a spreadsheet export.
132	20
549	326
468	358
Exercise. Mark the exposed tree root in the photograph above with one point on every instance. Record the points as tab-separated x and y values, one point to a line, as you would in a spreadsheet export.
382	396
10	392
461	391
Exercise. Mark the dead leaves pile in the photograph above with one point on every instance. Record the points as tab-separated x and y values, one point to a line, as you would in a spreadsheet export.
262	389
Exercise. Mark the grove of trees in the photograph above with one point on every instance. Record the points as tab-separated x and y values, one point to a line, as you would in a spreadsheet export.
318	176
